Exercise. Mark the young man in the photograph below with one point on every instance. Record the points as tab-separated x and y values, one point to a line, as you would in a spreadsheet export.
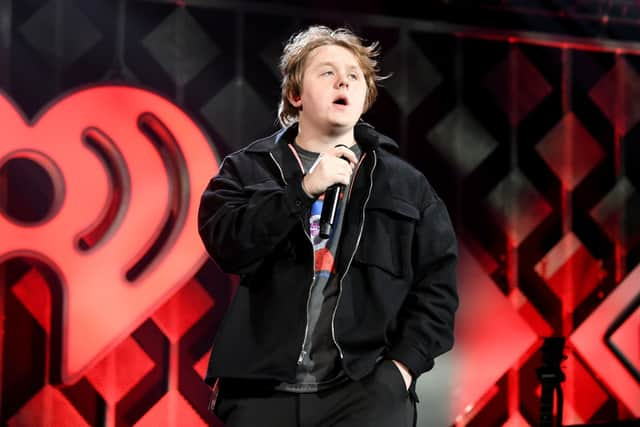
327	331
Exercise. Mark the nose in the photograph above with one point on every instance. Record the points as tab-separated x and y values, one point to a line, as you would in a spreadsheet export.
342	81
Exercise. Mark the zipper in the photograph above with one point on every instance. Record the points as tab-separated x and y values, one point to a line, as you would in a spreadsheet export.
335	309
279	168
313	278
313	282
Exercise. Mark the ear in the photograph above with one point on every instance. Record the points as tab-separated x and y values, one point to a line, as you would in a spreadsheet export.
295	100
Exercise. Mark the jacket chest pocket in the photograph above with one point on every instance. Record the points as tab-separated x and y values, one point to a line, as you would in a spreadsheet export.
387	236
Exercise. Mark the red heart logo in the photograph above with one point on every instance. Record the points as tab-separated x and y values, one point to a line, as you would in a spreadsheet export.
128	168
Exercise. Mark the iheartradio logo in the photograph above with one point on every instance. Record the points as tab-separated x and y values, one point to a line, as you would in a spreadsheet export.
127	169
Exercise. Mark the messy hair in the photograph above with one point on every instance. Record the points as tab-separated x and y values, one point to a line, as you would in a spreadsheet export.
297	50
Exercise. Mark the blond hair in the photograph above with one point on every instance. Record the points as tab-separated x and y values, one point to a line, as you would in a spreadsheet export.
297	50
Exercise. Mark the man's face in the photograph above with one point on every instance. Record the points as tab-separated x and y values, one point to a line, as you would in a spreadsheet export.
333	90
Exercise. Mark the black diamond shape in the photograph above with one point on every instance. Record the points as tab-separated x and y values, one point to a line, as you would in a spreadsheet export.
415	78
238	114
622	111
517	206
519	74
76	36
618	214
181	46
462	141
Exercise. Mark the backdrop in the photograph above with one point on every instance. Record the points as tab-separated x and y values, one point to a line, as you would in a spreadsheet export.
115	114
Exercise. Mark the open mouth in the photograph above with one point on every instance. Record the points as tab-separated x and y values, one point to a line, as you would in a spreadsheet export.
341	101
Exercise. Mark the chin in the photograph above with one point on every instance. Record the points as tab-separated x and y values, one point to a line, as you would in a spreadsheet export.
342	125
340	128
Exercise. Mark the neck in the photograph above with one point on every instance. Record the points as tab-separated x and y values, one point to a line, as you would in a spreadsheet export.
319	142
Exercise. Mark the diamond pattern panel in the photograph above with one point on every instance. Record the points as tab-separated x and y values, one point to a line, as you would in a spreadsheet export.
171	410
178	314
227	112
517	206
570	151
617	214
414	77
181	46
33	292
64	44
48	407
616	95
570	271
120	371
529	313
517	73
462	141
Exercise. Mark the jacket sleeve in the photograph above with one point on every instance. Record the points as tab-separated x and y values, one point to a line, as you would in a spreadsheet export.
240	225
426	318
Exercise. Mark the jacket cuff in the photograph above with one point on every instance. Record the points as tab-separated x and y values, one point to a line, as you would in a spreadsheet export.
414	360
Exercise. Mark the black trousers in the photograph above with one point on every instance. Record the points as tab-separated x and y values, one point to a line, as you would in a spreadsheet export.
379	400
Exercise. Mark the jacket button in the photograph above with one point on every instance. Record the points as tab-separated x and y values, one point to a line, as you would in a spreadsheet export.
298	203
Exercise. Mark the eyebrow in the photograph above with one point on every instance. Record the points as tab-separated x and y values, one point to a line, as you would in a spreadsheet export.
331	64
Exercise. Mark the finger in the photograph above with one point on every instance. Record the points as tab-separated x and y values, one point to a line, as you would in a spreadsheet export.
346	153
349	155
347	169
344	179
345	175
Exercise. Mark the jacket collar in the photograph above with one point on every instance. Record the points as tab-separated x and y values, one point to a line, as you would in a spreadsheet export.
367	137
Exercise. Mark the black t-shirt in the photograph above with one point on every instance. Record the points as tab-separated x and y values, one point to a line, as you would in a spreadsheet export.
319	364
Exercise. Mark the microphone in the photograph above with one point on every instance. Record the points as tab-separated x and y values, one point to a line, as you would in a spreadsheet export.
330	206
329	209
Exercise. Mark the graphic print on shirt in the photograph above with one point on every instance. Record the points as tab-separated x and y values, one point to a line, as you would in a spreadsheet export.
324	260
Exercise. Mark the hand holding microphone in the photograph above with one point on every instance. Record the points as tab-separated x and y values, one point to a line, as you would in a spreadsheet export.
331	173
